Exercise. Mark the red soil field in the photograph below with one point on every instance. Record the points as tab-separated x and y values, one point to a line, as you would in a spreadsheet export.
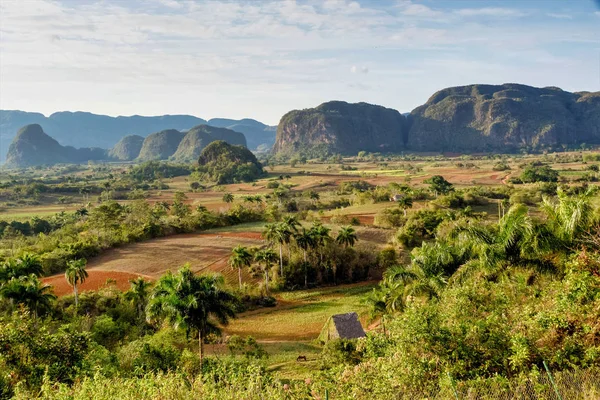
95	280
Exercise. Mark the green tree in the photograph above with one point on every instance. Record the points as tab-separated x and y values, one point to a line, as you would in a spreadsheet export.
320	234
569	217
514	241
29	291
228	198
265	258
305	240
138	294
240	258
347	236
405	203
76	274
25	265
190	302
439	185
539	173
280	234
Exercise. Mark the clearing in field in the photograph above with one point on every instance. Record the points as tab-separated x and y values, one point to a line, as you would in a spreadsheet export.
301	315
204	252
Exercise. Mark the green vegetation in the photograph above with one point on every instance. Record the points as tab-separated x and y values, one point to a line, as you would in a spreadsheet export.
466	285
224	163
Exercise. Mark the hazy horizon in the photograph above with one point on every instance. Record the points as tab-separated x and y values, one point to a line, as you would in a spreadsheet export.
241	59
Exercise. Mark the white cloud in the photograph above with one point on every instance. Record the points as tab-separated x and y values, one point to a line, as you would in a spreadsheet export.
354	69
560	16
207	58
490	12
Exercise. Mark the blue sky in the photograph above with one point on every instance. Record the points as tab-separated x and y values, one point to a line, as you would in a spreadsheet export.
260	59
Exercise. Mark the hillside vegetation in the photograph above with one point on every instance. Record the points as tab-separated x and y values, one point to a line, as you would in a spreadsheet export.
225	163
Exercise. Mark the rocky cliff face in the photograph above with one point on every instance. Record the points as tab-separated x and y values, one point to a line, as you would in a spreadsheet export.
475	118
128	148
503	118
340	127
197	138
32	146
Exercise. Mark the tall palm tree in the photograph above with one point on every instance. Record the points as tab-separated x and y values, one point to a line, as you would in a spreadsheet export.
405	202
292	223
305	240
138	294
76	274
190	302
240	258
265	258
347	237
280	234
28	290
321	237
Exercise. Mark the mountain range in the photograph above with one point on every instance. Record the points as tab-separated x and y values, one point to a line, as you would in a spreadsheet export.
32	146
468	119
83	129
475	118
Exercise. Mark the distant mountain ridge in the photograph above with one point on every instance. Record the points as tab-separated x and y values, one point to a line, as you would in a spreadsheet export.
475	118
83	129
32	146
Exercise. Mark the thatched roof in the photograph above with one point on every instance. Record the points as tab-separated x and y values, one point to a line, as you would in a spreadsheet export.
348	326
342	326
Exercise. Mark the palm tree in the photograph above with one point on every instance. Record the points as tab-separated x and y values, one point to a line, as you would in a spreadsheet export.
190	302
404	203
347	237
321	237
240	258
228	198
570	217
376	300
284	234
266	257
28	290
25	265
305	240
516	240
138	294
292	224
76	274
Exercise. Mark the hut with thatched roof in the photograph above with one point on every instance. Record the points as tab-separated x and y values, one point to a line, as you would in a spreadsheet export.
342	326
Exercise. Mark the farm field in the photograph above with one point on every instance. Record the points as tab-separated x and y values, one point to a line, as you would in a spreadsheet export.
95	280
205	252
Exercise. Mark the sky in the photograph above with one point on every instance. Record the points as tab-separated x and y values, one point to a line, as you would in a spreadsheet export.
260	59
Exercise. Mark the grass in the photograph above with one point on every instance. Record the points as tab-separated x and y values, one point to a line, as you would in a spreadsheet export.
300	315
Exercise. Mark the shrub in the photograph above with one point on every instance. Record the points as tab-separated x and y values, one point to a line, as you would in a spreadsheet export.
535	173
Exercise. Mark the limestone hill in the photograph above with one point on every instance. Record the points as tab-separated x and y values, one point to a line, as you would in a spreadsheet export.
340	127
128	148
32	146
504	118
197	138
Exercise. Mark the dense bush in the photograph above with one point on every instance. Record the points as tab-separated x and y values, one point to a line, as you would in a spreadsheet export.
538	173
